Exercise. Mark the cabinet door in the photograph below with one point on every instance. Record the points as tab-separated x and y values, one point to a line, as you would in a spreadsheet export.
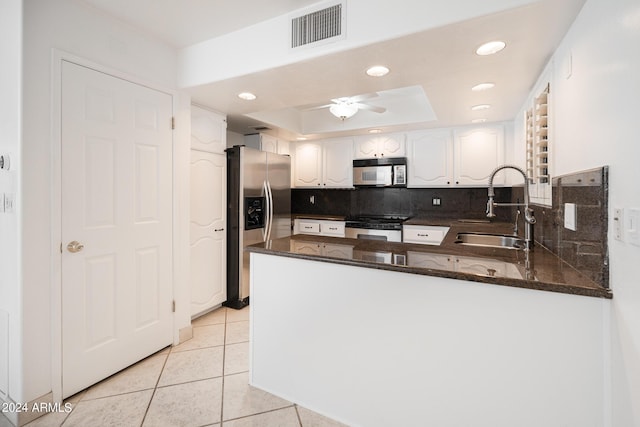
306	248
283	147
308	165
208	130
338	251
391	145
429	260
369	147
429	159
338	163
477	152
268	143
365	148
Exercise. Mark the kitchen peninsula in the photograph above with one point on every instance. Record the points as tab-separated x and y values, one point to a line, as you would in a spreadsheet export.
379	333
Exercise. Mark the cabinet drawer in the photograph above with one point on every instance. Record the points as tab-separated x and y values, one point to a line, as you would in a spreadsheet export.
333	228
423	235
308	227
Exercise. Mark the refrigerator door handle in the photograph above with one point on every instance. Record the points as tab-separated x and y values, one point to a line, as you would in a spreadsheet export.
267	208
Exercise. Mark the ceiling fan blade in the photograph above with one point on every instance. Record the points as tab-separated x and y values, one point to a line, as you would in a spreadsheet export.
314	107
362	97
373	108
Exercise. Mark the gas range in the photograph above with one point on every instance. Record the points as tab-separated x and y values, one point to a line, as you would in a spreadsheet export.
377	222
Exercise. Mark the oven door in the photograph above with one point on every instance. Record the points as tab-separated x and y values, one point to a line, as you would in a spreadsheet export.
372	234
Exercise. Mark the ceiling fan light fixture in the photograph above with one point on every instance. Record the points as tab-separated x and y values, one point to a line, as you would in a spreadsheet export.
247	96
483	86
343	110
491	47
480	107
377	71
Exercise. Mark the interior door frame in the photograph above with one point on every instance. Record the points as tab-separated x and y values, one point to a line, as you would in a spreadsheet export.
180	207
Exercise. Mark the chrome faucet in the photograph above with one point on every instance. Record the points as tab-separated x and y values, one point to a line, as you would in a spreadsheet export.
529	219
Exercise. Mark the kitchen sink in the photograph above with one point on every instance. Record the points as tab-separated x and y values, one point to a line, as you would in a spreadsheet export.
490	240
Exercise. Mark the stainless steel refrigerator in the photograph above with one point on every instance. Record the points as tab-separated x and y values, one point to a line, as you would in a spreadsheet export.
258	210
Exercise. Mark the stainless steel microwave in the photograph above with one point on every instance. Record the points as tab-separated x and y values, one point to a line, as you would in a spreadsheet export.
383	172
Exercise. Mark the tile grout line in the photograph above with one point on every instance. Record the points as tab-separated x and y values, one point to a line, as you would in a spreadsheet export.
224	358
155	388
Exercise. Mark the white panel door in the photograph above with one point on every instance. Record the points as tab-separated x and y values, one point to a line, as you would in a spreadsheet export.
208	231
117	205
208	130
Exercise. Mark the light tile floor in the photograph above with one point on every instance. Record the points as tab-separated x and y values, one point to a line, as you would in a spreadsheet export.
201	382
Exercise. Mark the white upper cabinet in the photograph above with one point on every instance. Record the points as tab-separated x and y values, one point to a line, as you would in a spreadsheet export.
430	159
371	147
264	142
477	152
208	130
445	157
308	164
324	164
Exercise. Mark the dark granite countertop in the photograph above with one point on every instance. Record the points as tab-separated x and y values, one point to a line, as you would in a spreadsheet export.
538	269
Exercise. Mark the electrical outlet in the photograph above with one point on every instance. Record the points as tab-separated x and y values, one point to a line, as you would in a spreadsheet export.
570	216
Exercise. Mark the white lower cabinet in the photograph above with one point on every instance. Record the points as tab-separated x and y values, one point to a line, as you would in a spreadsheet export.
463	264
326	249
422	234
319	227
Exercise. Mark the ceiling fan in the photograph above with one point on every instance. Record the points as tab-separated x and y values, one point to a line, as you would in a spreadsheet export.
347	106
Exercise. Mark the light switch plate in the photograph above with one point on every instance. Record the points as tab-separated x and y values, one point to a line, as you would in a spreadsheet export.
570	216
632	226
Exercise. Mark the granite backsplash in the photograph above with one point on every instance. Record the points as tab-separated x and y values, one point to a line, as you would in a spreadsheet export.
454	202
586	248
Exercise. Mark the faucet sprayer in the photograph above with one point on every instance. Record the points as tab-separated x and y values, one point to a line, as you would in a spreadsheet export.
528	212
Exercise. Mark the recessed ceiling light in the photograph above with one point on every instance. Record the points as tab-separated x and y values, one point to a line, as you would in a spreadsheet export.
483	86
480	107
377	71
375	130
478	120
490	48
247	96
301	138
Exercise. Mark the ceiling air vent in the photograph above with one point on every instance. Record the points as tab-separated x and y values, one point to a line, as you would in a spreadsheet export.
318	25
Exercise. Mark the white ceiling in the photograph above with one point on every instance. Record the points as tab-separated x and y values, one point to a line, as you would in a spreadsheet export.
432	72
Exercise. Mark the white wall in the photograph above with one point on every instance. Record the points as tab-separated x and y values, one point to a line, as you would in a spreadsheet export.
81	30
595	90
10	117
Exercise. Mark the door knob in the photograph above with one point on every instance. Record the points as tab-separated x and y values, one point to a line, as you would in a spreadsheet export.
74	247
